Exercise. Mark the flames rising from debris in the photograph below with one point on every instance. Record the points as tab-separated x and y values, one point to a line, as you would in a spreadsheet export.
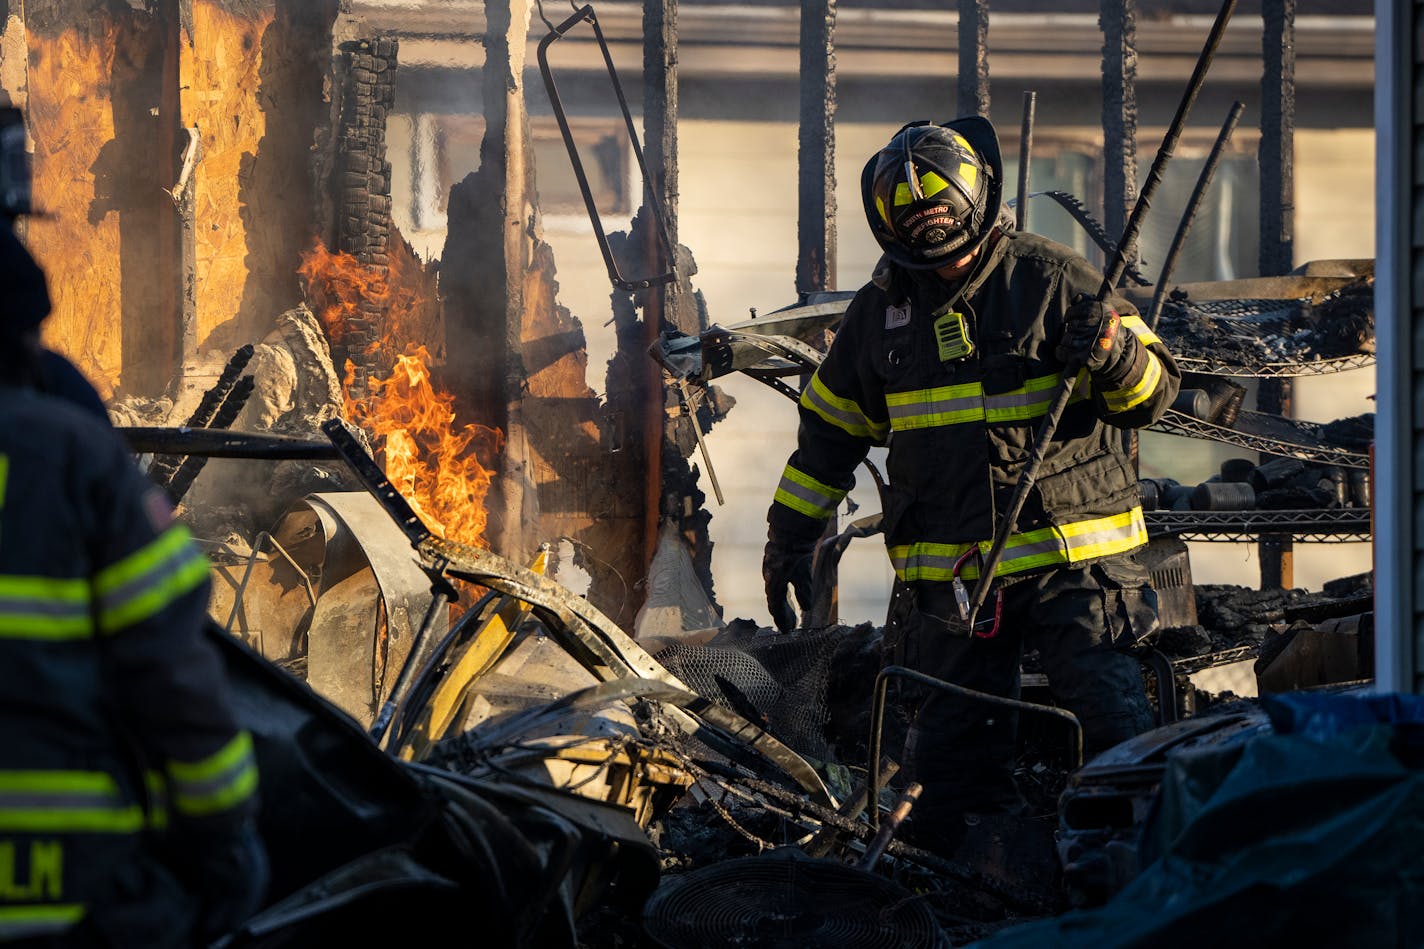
430	458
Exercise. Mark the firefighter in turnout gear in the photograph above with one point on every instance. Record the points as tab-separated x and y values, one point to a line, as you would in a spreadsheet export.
950	356
127	791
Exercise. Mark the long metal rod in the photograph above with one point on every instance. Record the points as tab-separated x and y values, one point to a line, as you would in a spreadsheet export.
1110	280
877	717
1179	239
1030	100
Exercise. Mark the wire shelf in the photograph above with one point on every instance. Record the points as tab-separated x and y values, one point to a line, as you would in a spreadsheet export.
1317	367
1335	525
1269	434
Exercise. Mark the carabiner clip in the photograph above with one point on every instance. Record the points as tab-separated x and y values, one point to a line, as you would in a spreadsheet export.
961	597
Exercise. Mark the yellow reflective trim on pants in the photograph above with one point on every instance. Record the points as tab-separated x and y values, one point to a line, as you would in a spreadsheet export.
22	922
1046	547
805	495
845	414
1129	397
218	782
1139	328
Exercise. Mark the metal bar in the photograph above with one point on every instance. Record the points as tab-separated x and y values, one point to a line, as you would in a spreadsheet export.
887	830
1179	239
215	443
1030	99
974	57
877	716
561	117
1110	279
1277	250
816	155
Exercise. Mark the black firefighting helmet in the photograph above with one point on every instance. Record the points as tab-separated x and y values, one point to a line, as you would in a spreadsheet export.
932	195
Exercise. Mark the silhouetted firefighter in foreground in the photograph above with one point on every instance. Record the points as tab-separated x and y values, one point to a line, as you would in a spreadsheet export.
127	792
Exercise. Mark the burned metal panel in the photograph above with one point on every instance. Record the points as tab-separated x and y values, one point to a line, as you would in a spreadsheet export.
1118	20
973	81
816	158
1276	160
1399	301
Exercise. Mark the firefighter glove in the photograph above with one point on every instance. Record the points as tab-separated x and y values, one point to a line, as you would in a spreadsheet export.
786	563
1093	336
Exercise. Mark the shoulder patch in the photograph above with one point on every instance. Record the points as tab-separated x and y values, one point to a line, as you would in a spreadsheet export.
897	316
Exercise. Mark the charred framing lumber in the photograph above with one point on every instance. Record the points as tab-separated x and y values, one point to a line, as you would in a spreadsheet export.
973	82
489	233
671	490
816	149
362	184
1275	155
1118	21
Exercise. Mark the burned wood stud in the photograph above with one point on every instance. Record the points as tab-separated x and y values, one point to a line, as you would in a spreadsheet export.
816	153
1118	19
974	57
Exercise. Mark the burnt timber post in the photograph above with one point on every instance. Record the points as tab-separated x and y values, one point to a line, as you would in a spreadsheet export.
179	151
973	83
816	174
490	245
1118	20
1276	160
816	149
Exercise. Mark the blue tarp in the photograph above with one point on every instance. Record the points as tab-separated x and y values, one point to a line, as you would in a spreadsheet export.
1311	836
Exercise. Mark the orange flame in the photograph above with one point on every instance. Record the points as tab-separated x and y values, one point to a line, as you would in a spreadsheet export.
430	458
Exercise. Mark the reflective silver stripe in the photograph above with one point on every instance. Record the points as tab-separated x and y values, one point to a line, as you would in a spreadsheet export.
1045	547
804	494
841	412
930	408
23	922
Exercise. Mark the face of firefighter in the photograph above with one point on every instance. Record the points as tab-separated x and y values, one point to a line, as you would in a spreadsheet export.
956	269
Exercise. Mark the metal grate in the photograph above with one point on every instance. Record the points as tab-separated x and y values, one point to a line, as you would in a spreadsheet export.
783	677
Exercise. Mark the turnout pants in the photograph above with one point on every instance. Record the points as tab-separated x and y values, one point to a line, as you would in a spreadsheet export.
1079	619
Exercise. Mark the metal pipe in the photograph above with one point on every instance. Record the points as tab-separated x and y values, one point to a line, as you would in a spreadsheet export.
1025	150
1184	228
886	833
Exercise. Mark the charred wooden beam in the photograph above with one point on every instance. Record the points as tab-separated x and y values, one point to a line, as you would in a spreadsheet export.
973	81
363	188
1276	151
1118	20
816	142
490	237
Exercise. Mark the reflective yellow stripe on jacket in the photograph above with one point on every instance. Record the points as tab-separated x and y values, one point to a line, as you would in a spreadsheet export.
845	414
1047	547
967	402
218	782
804	494
149	579
44	802
46	608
